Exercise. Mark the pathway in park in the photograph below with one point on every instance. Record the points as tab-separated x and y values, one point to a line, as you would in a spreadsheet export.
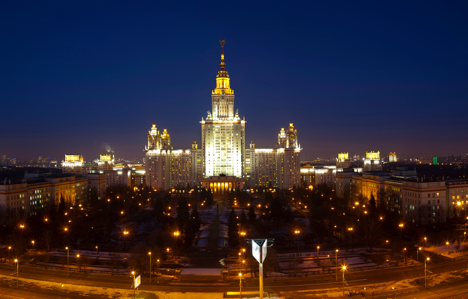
210	256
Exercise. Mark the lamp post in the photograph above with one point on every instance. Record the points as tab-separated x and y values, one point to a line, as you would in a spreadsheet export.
386	244
401	225
17	271
68	261
404	250
157	266
97	249
134	288
297	232
78	261
336	264
125	234
350	230
425	272
318	251
344	269
425	242
447	243
149	253
417	254
176	235
9	248
240	284
32	243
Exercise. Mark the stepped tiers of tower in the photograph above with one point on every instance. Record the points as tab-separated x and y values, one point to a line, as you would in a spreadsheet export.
222	151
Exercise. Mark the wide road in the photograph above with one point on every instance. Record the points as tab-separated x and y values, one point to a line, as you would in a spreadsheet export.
271	285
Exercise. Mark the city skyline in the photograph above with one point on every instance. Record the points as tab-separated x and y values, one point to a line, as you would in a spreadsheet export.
396	86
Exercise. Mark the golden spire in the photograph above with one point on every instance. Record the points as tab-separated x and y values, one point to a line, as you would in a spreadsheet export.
222	79
222	64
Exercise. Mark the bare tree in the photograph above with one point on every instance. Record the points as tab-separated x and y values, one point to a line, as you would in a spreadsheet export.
371	231
47	237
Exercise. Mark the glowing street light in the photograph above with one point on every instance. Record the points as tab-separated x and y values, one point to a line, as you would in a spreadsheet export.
149	253
318	251
17	271
32	243
240	284
425	272
336	264
343	269
68	261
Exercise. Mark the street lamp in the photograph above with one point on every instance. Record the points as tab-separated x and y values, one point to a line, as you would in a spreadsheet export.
157	266
97	249
336	264
318	251
425	241
386	244
297	232
404	249
401	227
344	269
125	234
417	254
78	261
68	261
425	272
448	250
9	248
176	234
32	243
149	253
134	288
17	271
240	284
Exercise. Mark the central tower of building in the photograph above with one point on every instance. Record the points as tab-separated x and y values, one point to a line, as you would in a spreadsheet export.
223	132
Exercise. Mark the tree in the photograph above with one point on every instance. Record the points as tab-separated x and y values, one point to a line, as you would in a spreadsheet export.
252	215
243	219
183	216
233	229
372	207
371	231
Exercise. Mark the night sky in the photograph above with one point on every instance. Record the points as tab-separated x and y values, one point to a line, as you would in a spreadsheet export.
352	76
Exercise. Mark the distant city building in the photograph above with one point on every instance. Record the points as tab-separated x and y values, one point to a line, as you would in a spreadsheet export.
392	157
105	162
73	164
372	161
223	151
130	177
343	161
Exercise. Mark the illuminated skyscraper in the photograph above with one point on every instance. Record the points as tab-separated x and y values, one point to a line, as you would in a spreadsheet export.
223	132
222	161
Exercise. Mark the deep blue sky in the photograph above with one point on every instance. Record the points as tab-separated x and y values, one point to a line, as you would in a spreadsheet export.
352	75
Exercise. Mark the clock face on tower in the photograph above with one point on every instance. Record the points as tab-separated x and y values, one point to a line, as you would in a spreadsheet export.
291	137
